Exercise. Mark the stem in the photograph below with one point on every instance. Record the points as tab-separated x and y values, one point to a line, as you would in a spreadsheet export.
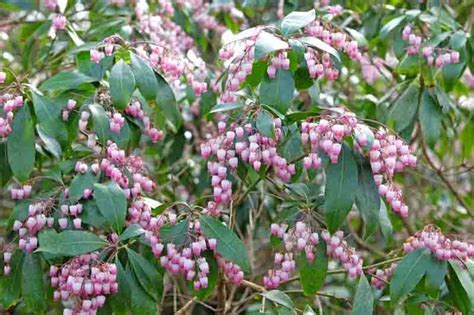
183	309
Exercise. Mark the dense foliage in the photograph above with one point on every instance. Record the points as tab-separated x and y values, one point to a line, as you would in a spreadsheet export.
257	156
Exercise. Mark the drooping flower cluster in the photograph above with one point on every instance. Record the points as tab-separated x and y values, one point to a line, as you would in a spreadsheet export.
438	57
20	193
29	228
9	103
134	110
71	104
7	256
83	282
297	239
382	276
441	246
200	11
389	155
58	23
280	61
116	121
250	146
73	211
337	248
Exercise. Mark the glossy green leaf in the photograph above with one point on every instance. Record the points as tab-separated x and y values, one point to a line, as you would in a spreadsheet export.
51	144
175	234
81	182
435	273
341	188
140	301
296	20
408	273
228	244
390	26
21	144
430	116
385	223
69	242
101	124
364	298
461	287
64	81
112	204
167	102
367	197
146	274
278	93
5	171
405	107
264	122
313	274
46	109
145	77
120	301
225	107
131	231
359	37
32	283
267	43
10	286
122	84
279	297
319	44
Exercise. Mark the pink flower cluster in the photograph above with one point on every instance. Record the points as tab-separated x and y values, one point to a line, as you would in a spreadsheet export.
115	165
10	103
296	240
134	110
335	10
83	282
72	210
441	247
83	120
434	56
7	256
20	193
96	55
389	155
248	144
51	4
58	23
200	14
232	270
382	276
71	104
337	248
32	225
326	135
280	61
116	122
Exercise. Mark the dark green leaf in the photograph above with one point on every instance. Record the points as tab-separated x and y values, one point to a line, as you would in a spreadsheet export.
278	93
296	20
145	77
10	286
409	65
46	109
390	26
122	84
167	102
313	274
102	127
81	182
141	301
264	124
228	244
5	171
404	109
408	273
364	298
112	204
367	197
32	284
131	231
66	81
435	273
120	302
279	297
146	274
341	187
385	223
175	234
21	144
461	287
51	144
430	116
224	107
69	243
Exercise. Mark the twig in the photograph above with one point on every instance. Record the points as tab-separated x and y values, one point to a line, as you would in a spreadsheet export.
183	309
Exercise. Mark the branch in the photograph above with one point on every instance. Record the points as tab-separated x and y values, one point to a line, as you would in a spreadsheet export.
183	309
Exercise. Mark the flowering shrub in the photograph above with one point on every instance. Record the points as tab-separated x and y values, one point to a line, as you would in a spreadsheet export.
182	156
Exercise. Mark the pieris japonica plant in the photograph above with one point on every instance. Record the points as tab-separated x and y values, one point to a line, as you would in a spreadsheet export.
236	157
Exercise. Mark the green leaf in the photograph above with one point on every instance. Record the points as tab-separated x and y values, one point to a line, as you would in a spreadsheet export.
308	310
167	102
122	84
461	287
141	301
359	37
131	231
145	77
279	297
313	274
296	20
259	69
385	223
228	244
112	204
121	300
278	93
319	44
21	144
92	69
146	274
10	286
51	144
367	197
435	273
430	116
32	284
225	107
81	182
267	43
341	187
45	108
69	243
175	234
408	273
364	298
91	215
405	107
102	127
293	147
390	26
66	81
264	124
5	171
212	277
409	65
